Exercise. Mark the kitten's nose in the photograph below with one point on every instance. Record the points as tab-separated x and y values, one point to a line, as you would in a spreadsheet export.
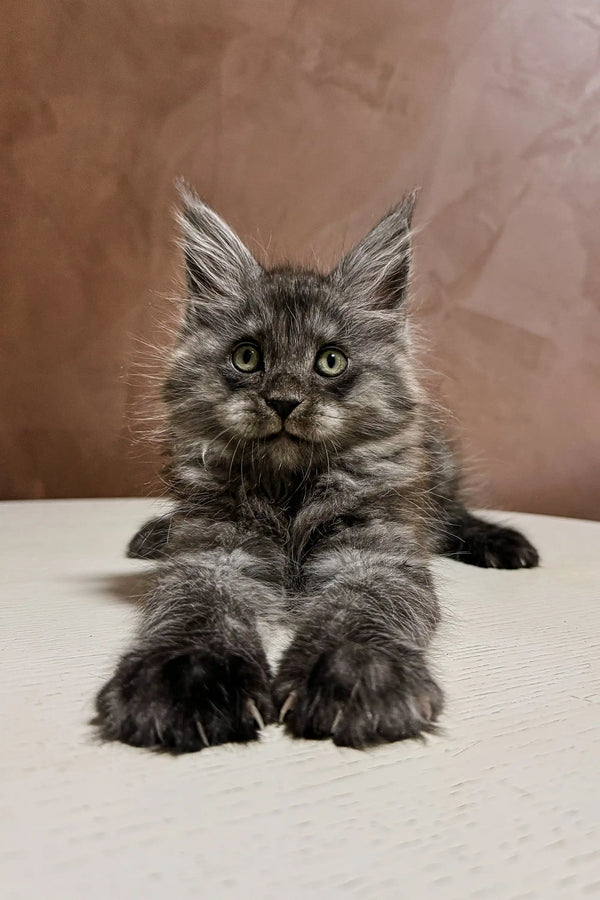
282	407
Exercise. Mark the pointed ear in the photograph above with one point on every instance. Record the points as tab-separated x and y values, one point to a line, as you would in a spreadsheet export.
376	272
217	264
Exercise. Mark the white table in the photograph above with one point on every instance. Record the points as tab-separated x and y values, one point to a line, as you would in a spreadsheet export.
504	804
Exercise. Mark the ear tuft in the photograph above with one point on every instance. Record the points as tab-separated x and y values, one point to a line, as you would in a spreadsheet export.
217	263
376	272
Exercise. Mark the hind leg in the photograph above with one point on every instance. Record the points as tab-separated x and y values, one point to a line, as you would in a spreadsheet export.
150	542
478	543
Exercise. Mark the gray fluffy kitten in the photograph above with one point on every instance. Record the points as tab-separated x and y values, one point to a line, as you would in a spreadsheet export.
312	487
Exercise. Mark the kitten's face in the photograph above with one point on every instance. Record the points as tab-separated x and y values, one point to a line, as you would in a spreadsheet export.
284	369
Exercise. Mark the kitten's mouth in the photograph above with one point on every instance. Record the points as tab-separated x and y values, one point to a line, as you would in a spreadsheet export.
282	434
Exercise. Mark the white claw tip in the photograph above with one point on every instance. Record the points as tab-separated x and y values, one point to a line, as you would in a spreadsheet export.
255	713
288	704
336	721
202	733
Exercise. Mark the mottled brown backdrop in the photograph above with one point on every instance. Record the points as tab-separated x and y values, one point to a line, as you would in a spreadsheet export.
302	122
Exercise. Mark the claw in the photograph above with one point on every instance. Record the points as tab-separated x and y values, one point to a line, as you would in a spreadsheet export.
491	560
202	732
288	704
158	729
426	708
336	721
255	713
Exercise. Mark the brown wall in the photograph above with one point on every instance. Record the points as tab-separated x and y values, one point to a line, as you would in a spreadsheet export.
301	123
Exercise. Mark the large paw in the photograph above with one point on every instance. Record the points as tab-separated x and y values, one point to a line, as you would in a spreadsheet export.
357	694
184	702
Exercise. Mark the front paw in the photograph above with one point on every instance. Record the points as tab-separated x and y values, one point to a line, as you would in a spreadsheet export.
184	702
357	694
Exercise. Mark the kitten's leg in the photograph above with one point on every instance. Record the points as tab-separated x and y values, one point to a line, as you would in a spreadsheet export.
462	535
356	670
197	674
150	542
478	543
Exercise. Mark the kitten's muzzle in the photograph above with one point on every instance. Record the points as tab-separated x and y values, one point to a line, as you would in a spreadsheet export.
283	407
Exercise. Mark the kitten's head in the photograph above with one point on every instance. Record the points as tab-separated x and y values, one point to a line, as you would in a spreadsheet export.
287	368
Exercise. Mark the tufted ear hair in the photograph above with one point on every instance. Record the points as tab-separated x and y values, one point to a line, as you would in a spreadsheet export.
376	272
217	264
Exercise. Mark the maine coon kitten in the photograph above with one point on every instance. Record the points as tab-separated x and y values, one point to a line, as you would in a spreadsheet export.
312	486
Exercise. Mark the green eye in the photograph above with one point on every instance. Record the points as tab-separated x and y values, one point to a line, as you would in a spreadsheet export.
330	362
246	358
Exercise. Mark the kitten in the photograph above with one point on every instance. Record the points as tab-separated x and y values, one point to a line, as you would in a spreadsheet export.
312	486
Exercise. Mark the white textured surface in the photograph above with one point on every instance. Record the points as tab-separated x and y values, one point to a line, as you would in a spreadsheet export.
504	804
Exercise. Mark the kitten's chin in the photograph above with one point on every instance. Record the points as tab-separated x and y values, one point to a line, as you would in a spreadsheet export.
286	451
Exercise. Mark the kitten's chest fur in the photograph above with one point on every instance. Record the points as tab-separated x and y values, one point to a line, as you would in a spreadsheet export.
296	511
298	516
287	518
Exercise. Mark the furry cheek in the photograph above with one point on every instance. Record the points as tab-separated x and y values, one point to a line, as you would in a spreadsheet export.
245	415
329	421
239	416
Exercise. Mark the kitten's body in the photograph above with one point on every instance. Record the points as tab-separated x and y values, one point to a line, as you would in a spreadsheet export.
301	498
